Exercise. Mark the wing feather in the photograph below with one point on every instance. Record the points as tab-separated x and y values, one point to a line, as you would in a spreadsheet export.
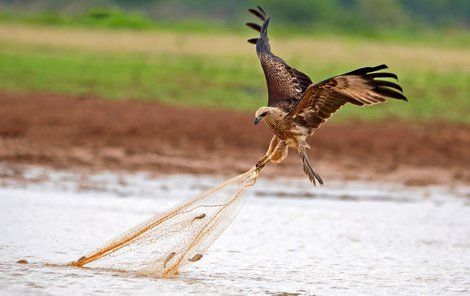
359	87
286	85
258	13
254	26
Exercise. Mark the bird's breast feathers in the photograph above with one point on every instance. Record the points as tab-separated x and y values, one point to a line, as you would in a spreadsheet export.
289	131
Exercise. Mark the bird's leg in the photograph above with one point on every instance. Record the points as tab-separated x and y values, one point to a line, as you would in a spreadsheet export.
272	145
262	163
267	157
279	153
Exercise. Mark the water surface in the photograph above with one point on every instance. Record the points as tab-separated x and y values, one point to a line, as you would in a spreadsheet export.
347	238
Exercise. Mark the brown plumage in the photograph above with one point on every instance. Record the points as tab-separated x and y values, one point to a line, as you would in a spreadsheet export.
297	106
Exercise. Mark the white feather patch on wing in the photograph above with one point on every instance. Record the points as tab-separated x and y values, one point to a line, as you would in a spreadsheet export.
358	88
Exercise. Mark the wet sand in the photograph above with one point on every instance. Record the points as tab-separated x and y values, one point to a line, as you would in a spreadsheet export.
88	133
351	238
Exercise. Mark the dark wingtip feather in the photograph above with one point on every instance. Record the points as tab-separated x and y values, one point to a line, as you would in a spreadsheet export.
261	9
264	28
253	40
389	84
254	26
257	14
390	93
366	70
383	75
379	67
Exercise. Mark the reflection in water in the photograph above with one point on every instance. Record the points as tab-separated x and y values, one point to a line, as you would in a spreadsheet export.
410	241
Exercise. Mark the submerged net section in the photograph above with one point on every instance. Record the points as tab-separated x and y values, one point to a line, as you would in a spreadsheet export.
163	244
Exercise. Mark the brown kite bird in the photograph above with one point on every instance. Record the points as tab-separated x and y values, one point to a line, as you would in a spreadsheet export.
297	106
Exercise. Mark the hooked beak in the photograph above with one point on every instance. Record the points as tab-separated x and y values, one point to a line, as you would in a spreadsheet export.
258	119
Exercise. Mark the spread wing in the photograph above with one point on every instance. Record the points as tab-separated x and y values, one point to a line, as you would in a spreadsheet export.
286	85
360	87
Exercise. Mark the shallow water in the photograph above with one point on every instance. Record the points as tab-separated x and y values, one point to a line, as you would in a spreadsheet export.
347	238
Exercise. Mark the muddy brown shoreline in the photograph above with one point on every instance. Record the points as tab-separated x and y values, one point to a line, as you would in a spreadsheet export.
88	133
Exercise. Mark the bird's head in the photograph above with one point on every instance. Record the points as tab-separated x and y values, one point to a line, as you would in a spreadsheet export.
261	113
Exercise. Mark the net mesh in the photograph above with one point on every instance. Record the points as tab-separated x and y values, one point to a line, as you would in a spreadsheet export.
163	244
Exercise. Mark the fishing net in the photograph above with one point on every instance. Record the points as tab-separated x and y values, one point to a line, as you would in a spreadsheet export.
163	244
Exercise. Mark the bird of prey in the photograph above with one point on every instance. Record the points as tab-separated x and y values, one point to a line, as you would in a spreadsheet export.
297	106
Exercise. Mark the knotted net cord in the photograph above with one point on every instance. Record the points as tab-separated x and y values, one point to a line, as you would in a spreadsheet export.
164	243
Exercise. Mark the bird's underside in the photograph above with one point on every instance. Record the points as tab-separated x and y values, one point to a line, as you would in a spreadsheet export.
297	106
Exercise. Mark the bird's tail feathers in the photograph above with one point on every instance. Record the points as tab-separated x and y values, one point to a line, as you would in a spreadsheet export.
307	167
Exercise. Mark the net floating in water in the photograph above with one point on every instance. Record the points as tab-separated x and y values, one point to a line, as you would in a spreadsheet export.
163	244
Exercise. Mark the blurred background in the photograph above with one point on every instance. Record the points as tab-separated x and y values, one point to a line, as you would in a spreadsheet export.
144	49
131	75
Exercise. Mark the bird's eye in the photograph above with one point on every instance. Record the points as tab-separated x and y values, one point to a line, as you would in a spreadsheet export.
263	114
